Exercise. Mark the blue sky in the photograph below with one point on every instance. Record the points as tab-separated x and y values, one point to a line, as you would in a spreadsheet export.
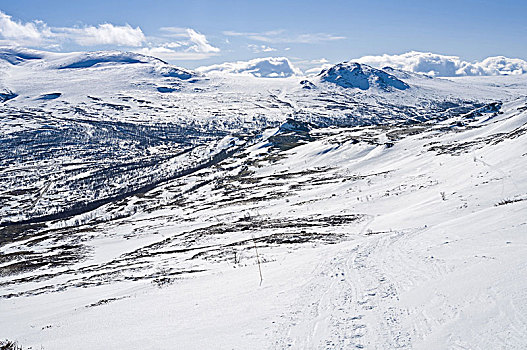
194	33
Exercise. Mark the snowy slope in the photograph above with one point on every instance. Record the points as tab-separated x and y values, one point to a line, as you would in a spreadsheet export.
133	217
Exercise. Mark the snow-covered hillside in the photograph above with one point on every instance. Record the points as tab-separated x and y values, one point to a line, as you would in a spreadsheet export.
144	205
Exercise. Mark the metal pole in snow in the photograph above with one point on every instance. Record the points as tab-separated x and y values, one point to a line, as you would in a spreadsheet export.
258	259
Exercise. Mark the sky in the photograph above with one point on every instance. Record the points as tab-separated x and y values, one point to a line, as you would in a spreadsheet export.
193	33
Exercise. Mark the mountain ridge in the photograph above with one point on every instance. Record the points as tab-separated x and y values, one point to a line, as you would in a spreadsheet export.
355	75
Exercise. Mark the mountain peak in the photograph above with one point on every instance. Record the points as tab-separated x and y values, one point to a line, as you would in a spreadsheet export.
356	75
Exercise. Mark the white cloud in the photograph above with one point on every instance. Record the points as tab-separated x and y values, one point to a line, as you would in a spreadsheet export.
37	33
319	61
168	54
105	34
316	70
16	32
447	66
260	48
281	36
174	32
497	65
189	38
312	67
267	33
190	45
174	44
200	42
269	67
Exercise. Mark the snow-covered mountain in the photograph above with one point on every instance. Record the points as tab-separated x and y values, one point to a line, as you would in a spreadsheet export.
146	205
75	76
361	76
47	64
18	55
269	67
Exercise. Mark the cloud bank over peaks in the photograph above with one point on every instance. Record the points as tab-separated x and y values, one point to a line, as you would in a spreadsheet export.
200	42
180	44
105	34
269	67
23	33
173	44
446	66
260	48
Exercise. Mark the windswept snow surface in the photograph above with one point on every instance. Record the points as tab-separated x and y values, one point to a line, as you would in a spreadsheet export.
139	218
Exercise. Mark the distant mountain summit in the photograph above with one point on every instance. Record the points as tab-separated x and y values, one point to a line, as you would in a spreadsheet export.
269	67
88	60
361	76
99	58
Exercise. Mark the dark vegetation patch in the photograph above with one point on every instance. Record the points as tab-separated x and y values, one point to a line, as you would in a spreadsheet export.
105	301
9	345
51	257
460	147
7	95
509	201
